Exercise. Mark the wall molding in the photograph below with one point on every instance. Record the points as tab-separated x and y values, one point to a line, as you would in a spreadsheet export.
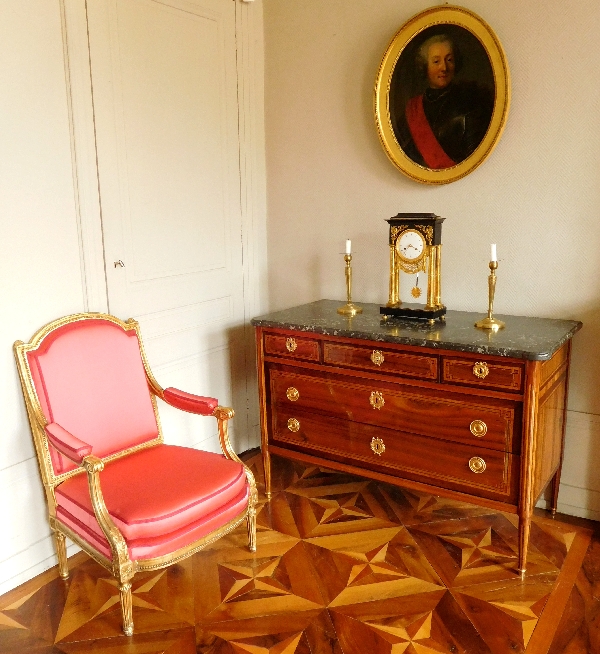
253	186
78	82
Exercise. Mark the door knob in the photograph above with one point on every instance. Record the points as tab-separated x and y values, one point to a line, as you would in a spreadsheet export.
119	263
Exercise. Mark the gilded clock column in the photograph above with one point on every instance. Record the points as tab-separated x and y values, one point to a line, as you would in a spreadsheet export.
431	277
438	276
394	298
434	286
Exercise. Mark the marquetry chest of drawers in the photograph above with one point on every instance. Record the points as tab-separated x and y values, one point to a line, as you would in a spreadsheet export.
446	409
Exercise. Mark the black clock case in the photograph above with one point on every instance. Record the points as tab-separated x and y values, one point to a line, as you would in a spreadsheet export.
410	310
414	220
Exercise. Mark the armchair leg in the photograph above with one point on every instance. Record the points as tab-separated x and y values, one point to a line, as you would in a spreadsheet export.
251	529
126	608
61	553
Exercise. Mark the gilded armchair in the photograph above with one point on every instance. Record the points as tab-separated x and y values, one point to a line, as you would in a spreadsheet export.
112	485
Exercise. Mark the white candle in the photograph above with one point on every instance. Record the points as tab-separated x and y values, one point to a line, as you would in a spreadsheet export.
494	257
348	246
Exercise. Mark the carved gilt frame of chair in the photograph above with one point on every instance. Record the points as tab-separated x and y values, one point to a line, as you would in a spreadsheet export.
64	456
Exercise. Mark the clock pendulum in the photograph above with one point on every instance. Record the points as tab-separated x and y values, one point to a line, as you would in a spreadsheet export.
415	242
416	291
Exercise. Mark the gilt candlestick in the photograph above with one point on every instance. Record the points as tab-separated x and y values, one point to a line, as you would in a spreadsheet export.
489	322
349	309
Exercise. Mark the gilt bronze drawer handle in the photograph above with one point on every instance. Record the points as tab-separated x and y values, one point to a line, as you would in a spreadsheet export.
481	370
292	394
377	357
478	428
294	425
376	400
477	464
290	344
378	446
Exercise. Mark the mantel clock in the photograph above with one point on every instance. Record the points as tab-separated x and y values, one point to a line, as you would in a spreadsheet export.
415	246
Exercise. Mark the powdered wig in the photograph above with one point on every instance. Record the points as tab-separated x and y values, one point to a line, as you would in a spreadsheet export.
423	51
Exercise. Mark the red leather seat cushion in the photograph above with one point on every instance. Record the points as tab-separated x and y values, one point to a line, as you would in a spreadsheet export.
157	495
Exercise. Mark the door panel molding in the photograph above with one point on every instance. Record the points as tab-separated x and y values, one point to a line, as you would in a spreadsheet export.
187	160
188	317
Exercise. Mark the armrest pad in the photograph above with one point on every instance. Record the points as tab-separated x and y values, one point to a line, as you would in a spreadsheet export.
191	403
66	443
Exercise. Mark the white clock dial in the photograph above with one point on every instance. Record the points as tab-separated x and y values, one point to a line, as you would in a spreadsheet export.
410	245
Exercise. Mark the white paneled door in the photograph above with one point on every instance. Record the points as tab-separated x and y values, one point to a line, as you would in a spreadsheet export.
165	113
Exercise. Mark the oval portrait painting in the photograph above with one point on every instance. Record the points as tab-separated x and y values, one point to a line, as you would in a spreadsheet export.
442	95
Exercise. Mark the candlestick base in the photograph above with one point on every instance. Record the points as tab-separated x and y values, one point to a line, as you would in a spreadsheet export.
349	309
490	323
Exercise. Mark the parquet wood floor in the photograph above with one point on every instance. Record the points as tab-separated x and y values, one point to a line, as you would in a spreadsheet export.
344	566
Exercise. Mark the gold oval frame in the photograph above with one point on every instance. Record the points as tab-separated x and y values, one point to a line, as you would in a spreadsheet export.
469	21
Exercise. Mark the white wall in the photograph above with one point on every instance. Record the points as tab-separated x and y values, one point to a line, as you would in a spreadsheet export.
537	196
39	266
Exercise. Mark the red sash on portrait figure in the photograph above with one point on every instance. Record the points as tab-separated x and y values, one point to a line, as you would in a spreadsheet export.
423	136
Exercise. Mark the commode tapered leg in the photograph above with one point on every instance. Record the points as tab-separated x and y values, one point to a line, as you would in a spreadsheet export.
524	530
267	470
554	487
251	519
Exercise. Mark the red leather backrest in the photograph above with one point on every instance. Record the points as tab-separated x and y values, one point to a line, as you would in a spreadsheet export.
90	379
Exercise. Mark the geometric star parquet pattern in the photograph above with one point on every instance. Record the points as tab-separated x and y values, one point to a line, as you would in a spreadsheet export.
344	565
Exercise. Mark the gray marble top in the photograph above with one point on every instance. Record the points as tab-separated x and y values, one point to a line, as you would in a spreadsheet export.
522	338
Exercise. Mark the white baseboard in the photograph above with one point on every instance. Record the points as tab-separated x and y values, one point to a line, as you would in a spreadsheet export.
37	558
581	502
254	437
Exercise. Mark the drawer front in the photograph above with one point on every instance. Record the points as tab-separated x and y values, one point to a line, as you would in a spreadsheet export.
437	415
466	468
376	359
295	347
483	373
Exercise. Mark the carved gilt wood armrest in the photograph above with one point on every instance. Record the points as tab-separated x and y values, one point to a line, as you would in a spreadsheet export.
72	447
209	406
79	452
203	406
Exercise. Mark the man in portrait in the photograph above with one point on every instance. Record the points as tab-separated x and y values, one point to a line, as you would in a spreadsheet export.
445	123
